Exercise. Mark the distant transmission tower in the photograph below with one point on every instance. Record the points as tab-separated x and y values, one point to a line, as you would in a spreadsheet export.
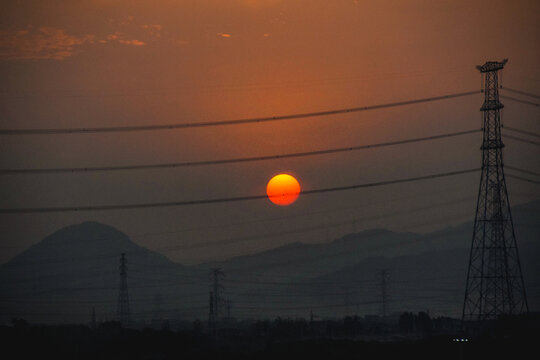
494	279
122	311
385	276
216	300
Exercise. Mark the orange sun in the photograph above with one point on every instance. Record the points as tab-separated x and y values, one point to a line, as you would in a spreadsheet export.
283	189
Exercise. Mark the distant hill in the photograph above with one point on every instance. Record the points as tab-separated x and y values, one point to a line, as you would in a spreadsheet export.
68	273
431	281
76	268
300	261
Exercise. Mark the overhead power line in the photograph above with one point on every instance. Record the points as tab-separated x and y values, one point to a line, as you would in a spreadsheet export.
233	160
506	136
519	100
524	179
223	200
521	92
49	131
235	240
522	170
524	132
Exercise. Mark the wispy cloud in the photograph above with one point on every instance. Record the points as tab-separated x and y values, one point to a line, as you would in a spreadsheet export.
121	38
53	43
133	42
43	43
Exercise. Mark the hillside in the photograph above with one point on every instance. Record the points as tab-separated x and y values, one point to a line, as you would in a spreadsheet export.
75	269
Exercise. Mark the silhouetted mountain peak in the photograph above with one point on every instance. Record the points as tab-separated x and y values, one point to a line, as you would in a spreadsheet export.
86	231
79	241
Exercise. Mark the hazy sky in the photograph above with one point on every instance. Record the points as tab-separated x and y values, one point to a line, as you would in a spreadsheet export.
127	62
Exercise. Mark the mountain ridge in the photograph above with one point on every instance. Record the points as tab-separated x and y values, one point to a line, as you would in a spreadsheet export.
71	270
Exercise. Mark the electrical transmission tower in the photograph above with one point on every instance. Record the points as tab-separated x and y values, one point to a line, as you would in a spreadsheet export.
216	300
494	279
122	310
385	276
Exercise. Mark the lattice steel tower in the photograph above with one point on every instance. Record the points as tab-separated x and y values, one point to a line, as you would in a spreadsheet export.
494	279
216	300
122	310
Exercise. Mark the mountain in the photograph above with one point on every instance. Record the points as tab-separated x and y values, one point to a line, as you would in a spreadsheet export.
427	271
300	261
431	281
75	269
64	276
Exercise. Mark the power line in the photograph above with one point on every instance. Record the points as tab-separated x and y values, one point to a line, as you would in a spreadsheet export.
223	200
246	238
326	306
494	286
523	179
524	132
233	160
49	131
517	100
506	136
228	241
521	92
522	170
218	226
196	278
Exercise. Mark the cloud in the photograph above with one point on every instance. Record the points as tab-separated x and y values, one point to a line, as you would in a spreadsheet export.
224	35
53	43
132	42
121	38
43	43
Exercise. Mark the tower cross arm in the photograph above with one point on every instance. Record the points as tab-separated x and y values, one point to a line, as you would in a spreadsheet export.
492	66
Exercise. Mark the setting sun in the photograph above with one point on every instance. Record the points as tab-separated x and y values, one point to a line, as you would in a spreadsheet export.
283	189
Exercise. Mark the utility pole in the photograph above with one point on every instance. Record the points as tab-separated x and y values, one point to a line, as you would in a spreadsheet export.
385	276
494	279
122	311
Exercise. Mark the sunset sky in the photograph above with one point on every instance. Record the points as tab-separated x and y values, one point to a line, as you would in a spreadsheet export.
102	63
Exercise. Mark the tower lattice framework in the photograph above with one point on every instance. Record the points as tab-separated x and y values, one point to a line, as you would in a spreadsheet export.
494	280
216	299
122	311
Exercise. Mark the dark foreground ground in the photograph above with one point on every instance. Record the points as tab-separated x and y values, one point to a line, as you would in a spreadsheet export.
508	339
